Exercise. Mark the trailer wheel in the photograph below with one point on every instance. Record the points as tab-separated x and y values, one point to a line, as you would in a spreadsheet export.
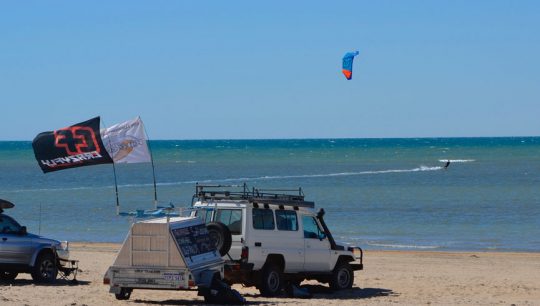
221	234
7	276
124	294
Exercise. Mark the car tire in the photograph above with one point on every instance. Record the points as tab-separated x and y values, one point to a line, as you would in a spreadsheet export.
221	234
271	280
342	277
7	276
125	294
45	269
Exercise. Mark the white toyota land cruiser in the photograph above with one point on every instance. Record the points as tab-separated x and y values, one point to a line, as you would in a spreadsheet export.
277	238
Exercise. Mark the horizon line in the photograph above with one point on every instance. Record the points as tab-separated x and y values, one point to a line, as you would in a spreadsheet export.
315	138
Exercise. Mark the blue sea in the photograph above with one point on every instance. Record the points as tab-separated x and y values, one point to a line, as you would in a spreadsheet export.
378	193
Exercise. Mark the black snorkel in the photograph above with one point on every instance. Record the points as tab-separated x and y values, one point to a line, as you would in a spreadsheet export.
333	244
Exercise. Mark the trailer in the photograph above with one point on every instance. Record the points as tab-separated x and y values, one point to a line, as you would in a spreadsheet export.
169	254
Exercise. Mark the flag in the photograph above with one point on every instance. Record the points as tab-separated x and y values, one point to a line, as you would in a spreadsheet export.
73	146
126	142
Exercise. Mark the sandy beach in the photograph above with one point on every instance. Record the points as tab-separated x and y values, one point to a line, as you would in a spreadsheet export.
403	277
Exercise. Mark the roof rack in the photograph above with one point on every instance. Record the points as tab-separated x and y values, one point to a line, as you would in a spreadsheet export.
283	197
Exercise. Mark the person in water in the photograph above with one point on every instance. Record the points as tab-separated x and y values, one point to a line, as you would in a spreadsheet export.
447	164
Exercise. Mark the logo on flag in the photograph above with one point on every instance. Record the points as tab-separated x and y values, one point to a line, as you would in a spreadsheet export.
126	142
74	146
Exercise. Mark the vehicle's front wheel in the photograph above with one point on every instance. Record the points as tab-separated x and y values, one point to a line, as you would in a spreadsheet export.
271	281
45	269
342	277
8	276
125	294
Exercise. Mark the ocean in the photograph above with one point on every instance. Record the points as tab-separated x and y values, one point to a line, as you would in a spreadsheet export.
378	193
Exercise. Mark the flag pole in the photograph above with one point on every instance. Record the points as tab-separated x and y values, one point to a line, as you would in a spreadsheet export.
116	190
153	168
115	180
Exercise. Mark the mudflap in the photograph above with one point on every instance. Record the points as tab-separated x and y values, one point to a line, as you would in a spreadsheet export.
115	289
220	293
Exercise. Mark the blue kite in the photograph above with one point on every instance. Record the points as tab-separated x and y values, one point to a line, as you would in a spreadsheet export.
348	63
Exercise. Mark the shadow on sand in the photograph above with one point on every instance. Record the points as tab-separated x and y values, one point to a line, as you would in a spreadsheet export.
190	302
324	292
57	283
318	291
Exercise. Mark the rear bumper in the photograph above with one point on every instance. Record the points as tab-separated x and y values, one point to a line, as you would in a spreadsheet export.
238	272
234	266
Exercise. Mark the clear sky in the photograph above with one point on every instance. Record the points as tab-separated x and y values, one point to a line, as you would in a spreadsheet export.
272	69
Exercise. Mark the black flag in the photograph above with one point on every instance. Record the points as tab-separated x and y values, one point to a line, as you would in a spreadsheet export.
74	146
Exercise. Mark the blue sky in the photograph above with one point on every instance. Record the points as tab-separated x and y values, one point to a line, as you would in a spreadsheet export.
271	69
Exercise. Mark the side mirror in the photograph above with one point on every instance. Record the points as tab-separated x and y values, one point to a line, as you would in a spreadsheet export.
23	231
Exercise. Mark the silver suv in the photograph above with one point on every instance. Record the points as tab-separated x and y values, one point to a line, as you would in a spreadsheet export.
22	252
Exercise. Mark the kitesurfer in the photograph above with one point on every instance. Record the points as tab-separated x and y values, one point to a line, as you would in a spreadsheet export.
447	164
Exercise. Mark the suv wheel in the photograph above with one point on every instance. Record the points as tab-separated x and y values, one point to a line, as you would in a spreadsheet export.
271	281
342	277
45	269
8	276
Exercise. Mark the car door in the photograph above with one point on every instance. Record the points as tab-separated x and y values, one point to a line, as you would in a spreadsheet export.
288	238
233	219
316	246
15	248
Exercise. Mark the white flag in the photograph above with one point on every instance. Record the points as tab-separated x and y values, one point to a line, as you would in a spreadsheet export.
126	142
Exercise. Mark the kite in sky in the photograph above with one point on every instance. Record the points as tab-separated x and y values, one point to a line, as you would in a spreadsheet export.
348	63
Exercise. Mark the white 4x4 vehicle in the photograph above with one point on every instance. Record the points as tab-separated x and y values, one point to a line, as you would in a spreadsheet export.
277	238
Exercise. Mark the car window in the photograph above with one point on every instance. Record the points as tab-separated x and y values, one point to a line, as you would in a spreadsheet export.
286	220
204	214
8	225
263	218
232	218
311	228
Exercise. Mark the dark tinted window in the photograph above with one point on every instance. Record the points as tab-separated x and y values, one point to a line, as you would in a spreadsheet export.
8	225
232	218
263	219
286	220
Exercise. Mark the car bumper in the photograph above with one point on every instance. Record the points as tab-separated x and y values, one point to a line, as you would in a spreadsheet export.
238	272
63	256
357	266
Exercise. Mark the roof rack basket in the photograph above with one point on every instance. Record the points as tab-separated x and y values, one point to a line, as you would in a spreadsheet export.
285	197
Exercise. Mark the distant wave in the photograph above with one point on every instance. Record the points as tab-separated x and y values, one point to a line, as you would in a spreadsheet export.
56	189
404	246
243	179
457	160
277	177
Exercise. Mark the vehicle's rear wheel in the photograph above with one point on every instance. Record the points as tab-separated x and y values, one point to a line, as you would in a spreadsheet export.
8	276
221	234
271	280
124	294
342	277
45	269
